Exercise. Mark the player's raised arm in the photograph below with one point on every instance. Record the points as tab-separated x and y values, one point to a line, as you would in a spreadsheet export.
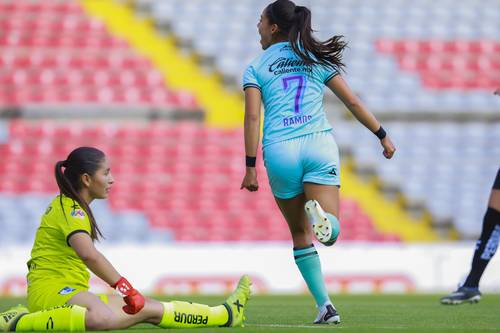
352	102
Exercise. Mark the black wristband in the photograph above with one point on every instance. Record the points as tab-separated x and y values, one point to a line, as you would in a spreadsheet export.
380	133
250	161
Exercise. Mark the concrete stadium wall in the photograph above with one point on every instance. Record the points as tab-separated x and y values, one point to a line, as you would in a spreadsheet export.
214	268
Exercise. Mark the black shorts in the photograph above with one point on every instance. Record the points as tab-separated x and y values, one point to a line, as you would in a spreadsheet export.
496	185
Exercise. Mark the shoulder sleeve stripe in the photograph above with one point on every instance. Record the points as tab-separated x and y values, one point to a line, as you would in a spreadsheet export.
75	232
250	85
331	76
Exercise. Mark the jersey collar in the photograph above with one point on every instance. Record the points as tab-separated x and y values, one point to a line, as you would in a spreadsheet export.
277	45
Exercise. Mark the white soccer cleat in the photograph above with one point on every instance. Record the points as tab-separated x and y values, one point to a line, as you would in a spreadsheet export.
322	227
328	315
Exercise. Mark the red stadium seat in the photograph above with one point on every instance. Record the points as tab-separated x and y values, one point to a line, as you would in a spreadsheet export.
442	65
42	39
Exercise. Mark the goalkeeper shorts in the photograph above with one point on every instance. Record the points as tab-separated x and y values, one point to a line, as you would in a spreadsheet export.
54	294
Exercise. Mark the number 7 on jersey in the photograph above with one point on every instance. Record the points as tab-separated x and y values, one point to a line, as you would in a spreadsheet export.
301	85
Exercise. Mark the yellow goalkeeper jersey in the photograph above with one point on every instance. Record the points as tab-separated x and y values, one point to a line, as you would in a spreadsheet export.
53	260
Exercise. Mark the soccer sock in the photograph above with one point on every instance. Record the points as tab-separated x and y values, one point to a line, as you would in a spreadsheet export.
190	315
486	247
335	225
307	260
68	318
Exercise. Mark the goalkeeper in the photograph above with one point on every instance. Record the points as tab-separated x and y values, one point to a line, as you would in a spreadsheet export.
63	252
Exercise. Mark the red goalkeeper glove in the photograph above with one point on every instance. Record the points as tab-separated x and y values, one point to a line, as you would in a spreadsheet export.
134	300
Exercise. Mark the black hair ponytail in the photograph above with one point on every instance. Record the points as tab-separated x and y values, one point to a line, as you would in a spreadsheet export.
294	23
80	161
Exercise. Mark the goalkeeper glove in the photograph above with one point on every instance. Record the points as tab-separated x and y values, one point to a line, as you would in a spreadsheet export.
134	300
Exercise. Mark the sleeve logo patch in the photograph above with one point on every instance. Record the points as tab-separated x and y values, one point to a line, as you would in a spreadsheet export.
78	213
66	290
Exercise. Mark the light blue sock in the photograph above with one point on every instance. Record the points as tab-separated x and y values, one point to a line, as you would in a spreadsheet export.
307	260
335	227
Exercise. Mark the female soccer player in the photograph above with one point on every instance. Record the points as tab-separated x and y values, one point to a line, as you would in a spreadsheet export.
486	247
58	279
300	153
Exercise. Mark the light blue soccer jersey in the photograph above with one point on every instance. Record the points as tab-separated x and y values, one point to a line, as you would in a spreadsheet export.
292	93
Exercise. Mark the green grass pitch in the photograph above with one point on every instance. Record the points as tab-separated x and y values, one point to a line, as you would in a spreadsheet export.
359	313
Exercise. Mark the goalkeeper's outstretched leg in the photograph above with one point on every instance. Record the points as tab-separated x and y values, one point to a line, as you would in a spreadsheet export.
90	312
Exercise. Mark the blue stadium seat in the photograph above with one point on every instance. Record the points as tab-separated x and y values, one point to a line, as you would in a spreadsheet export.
19	225
448	166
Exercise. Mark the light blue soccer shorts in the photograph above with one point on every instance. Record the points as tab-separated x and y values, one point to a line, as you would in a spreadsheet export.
312	158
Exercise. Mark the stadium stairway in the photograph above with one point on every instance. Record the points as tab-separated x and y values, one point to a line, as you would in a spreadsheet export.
387	214
223	108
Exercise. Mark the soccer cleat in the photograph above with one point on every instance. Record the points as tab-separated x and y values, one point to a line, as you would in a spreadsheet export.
237	301
325	231
9	318
462	295
328	315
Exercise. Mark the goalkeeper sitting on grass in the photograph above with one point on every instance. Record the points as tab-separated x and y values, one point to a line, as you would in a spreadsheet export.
58	279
